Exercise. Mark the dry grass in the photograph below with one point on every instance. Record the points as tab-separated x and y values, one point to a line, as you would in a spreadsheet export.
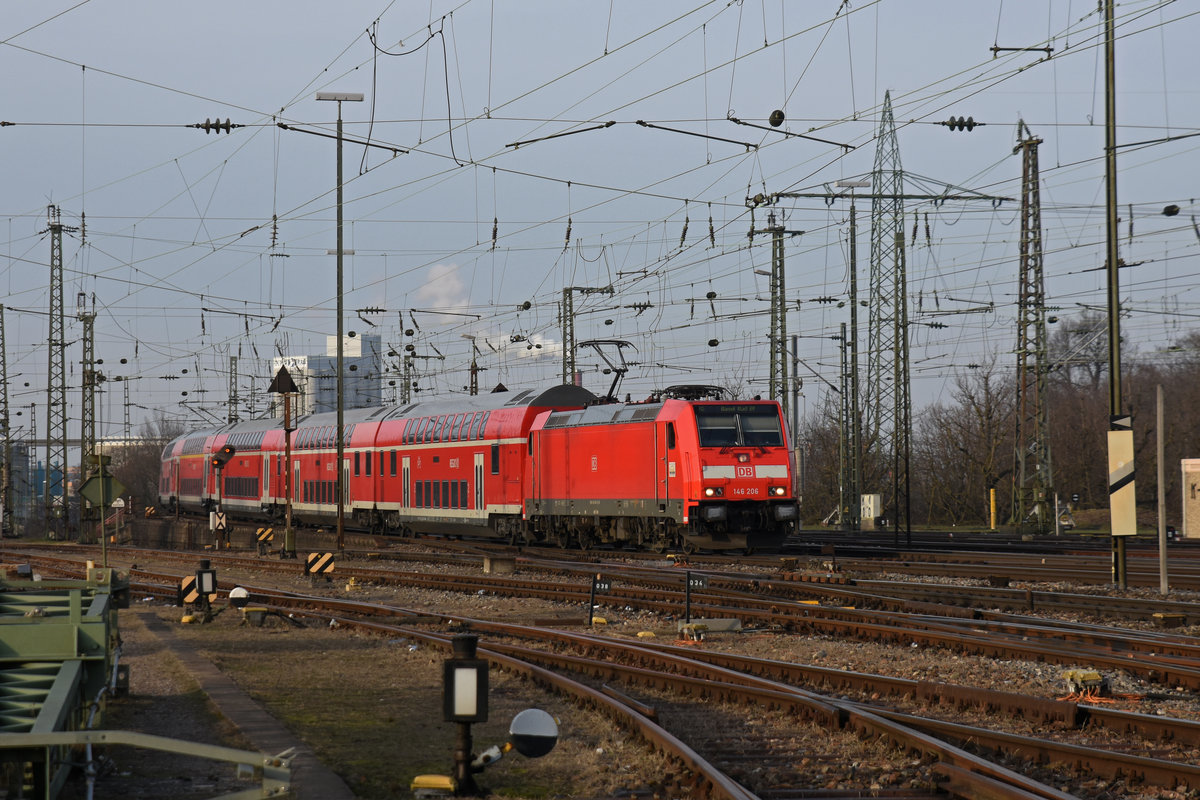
371	710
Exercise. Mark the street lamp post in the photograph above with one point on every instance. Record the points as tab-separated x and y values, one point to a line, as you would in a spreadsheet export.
340	483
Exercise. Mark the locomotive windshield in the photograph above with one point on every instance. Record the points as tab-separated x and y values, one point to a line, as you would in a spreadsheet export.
739	424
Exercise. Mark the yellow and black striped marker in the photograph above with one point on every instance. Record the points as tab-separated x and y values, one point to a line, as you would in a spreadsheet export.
319	563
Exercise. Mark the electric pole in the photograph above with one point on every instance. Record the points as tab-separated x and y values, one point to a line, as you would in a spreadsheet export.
56	384
87	417
6	493
568	326
1032	475
1122	492
233	390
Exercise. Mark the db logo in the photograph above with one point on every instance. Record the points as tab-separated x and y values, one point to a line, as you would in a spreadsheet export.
744	471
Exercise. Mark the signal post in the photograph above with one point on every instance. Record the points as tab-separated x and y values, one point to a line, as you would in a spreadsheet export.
217	519
283	384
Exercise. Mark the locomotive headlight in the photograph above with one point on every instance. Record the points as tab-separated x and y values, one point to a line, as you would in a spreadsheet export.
779	491
714	491
743	458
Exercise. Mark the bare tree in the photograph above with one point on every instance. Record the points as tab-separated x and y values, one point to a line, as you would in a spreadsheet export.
138	464
963	449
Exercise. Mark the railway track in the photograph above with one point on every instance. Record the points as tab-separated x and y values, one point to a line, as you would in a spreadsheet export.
645	681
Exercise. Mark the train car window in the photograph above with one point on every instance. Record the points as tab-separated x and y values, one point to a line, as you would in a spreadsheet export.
437	494
393	452
427	433
464	426
452	428
495	459
670	435
760	427
367	458
474	432
446	495
357	461
418	495
454	494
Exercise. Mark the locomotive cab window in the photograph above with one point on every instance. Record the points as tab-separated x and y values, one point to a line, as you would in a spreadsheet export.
716	430
670	435
761	428
746	425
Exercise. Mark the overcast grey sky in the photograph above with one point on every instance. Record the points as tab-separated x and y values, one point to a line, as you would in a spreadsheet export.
198	247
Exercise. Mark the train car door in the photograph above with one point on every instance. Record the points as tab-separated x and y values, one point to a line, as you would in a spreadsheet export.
266	486
479	482
345	482
296	480
406	473
664	456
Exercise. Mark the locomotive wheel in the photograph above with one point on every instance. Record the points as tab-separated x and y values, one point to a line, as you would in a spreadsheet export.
585	541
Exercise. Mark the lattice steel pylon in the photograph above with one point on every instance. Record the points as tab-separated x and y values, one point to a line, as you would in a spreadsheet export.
6	492
1032	475
87	406
232	411
568	325
888	404
778	336
56	382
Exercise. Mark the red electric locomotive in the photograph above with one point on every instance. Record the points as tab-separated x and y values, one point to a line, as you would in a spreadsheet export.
674	473
558	466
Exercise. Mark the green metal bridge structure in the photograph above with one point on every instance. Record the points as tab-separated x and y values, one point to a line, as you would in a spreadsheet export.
59	669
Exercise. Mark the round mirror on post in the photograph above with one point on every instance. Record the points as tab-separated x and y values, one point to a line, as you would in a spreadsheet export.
534	733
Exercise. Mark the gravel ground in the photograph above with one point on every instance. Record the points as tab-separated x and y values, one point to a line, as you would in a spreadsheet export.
395	688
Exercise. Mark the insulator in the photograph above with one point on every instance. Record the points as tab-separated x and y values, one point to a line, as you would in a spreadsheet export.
567	240
683	236
713	342
495	230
